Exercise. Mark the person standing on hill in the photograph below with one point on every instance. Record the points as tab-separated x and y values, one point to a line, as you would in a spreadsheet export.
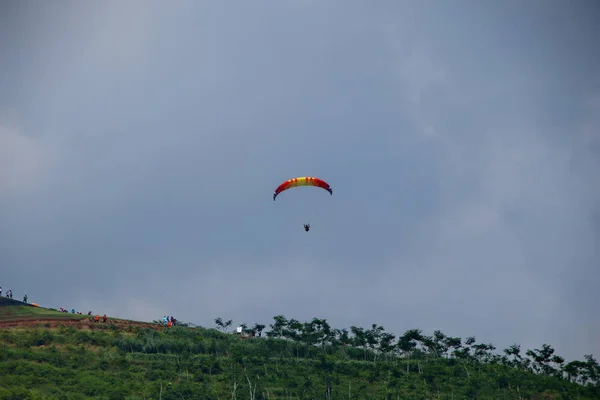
25	298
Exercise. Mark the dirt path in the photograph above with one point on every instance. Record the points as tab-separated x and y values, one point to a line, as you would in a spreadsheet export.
83	323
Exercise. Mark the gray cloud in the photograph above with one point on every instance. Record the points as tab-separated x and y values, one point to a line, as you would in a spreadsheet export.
140	145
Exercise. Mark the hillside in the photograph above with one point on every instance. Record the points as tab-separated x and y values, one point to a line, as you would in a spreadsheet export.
47	354
16	314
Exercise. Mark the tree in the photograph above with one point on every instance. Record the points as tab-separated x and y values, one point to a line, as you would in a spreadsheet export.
279	327
483	352
440	343
592	368
359	338
295	330
386	343
327	332
373	337
454	343
223	326
318	332
428	346
558	362
544	360
514	351
341	337
465	351
257	329
407	344
575	371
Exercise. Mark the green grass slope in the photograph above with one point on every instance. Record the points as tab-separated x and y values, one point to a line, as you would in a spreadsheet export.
106	361
14	310
17	314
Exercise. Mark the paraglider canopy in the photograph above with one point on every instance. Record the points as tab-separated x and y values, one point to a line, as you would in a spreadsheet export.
302	181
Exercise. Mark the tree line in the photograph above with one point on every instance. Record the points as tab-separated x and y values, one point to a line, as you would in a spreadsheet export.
376	345
139	362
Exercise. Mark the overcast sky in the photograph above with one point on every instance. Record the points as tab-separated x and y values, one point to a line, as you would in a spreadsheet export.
141	142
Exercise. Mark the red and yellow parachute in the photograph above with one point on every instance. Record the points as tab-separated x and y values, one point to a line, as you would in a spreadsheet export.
302	181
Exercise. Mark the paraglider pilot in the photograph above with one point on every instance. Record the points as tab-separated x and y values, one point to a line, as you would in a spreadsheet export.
306	227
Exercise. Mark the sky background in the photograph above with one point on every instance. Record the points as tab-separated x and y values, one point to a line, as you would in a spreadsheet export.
141	142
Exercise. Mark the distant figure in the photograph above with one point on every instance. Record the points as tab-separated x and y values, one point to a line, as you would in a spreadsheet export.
104	318
97	318
25	298
89	313
306	227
